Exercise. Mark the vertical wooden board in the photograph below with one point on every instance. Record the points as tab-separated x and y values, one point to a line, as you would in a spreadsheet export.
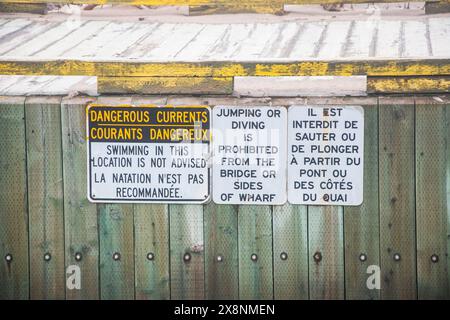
13	201
326	252
290	252
116	251
187	262
221	251
45	194
361	223
431	204
255	237
397	201
151	231
116	237
80	216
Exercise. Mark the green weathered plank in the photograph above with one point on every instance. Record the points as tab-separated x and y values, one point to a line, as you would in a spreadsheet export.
187	262
116	251
151	233
361	223
290	252
116	237
13	201
45	194
397	200
255	237
80	216
221	251
326	252
431	204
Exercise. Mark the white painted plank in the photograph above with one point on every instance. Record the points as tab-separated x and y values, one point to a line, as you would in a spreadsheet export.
124	40
47	85
334	41
388	39
415	36
359	43
56	47
304	48
175	42
440	36
155	38
261	39
286	39
205	41
13	25
300	86
32	30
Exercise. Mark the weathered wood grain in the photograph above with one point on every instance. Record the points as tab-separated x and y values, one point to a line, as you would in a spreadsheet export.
45	194
290	252
221	251
187	257
13	201
326	252
255	238
397	199
80	216
431	194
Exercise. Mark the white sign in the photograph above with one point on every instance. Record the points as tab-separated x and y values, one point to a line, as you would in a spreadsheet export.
148	154
249	155
326	152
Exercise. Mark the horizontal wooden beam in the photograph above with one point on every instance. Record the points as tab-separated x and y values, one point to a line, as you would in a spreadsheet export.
165	85
426	67
427	84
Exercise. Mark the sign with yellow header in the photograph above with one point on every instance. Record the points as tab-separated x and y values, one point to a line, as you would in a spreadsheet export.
148	153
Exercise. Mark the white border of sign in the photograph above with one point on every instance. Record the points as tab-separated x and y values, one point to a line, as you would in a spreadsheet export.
88	154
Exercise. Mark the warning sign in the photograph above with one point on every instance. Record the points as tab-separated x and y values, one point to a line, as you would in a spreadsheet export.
148	153
249	148
326	147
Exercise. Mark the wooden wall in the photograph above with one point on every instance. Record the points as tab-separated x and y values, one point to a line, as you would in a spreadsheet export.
47	223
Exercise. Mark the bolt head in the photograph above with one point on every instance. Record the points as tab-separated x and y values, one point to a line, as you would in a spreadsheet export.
362	257
254	257
9	257
317	257
47	256
116	256
283	256
78	256
150	256
187	257
397	257
219	258
434	258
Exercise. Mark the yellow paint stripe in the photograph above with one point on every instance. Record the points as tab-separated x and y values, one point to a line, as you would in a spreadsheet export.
408	85
229	69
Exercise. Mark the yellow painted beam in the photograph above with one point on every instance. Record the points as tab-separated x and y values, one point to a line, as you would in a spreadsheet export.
408	84
165	85
427	67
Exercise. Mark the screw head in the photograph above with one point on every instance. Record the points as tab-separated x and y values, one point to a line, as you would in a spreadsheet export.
362	257
116	256
317	257
150	256
78	256
397	257
47	256
219	258
254	257
187	257
434	258
283	256
9	257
